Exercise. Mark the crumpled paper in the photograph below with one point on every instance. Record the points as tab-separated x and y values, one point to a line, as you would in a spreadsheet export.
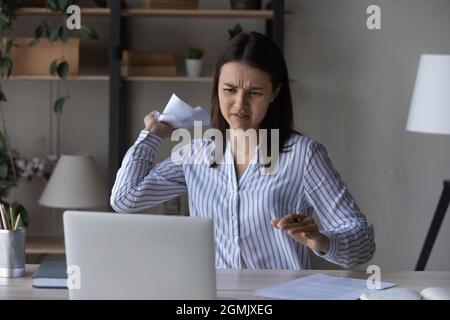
179	114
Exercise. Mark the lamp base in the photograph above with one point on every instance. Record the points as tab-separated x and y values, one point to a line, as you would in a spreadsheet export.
435	226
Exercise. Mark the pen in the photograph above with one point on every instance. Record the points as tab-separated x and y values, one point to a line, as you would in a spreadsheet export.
19	218
3	214
11	214
298	217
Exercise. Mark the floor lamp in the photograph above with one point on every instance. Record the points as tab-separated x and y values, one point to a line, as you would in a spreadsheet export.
430	113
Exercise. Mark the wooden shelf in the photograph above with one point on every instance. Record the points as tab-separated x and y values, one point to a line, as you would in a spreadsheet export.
168	79
106	78
129	78
200	13
47	12
72	78
138	12
45	245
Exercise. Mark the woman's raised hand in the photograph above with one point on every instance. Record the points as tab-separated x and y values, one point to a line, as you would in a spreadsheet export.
154	126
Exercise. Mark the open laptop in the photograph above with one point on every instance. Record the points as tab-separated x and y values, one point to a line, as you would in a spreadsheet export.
136	256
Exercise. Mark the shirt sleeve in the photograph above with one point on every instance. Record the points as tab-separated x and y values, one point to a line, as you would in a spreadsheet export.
140	184
351	235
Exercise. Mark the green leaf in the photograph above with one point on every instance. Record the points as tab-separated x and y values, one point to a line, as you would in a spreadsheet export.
195	53
48	23
100	3
89	32
3	71
54	33
39	32
3	146
59	104
63	4
63	69
20	209
6	65
2	96
4	19
54	68
28	3
4	169
34	42
235	31
7	184
52	5
9	46
63	33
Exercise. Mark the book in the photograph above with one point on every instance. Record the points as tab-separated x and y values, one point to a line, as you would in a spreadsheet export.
50	274
432	293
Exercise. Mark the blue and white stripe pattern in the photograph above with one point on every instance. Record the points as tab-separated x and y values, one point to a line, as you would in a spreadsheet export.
305	181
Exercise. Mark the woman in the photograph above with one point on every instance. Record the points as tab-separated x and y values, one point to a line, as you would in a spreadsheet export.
261	221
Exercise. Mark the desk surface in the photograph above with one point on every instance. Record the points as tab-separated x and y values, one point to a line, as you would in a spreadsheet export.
240	284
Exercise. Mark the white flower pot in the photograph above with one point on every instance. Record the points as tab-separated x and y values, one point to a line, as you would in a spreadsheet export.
194	67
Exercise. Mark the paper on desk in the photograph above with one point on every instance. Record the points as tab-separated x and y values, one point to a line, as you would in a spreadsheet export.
178	114
320	287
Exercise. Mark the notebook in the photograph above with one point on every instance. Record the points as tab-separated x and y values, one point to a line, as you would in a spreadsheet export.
50	274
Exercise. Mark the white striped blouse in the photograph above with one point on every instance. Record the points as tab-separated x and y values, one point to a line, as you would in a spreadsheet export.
305	181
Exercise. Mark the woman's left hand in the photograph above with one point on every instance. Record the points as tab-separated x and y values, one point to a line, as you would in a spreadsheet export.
304	230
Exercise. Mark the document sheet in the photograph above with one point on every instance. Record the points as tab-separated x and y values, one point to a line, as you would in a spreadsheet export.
320	287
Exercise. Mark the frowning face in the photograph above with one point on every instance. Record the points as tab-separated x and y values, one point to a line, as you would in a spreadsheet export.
245	94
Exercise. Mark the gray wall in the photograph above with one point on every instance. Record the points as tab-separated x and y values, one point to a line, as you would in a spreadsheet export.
352	92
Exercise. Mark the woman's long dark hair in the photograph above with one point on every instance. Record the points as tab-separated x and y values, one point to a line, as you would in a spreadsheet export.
260	52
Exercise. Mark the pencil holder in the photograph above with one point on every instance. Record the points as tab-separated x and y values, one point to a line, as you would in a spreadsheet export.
12	253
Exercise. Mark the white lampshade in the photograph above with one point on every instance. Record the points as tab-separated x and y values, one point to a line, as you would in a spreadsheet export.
76	183
430	106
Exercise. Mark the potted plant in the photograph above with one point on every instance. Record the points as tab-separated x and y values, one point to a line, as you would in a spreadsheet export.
194	62
245	4
12	167
8	179
235	31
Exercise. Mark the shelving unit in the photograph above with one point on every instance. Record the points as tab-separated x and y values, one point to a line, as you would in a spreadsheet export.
71	78
200	13
251	14
118	129
127	79
47	12
168	79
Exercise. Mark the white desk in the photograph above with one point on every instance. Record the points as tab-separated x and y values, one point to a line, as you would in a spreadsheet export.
239	284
